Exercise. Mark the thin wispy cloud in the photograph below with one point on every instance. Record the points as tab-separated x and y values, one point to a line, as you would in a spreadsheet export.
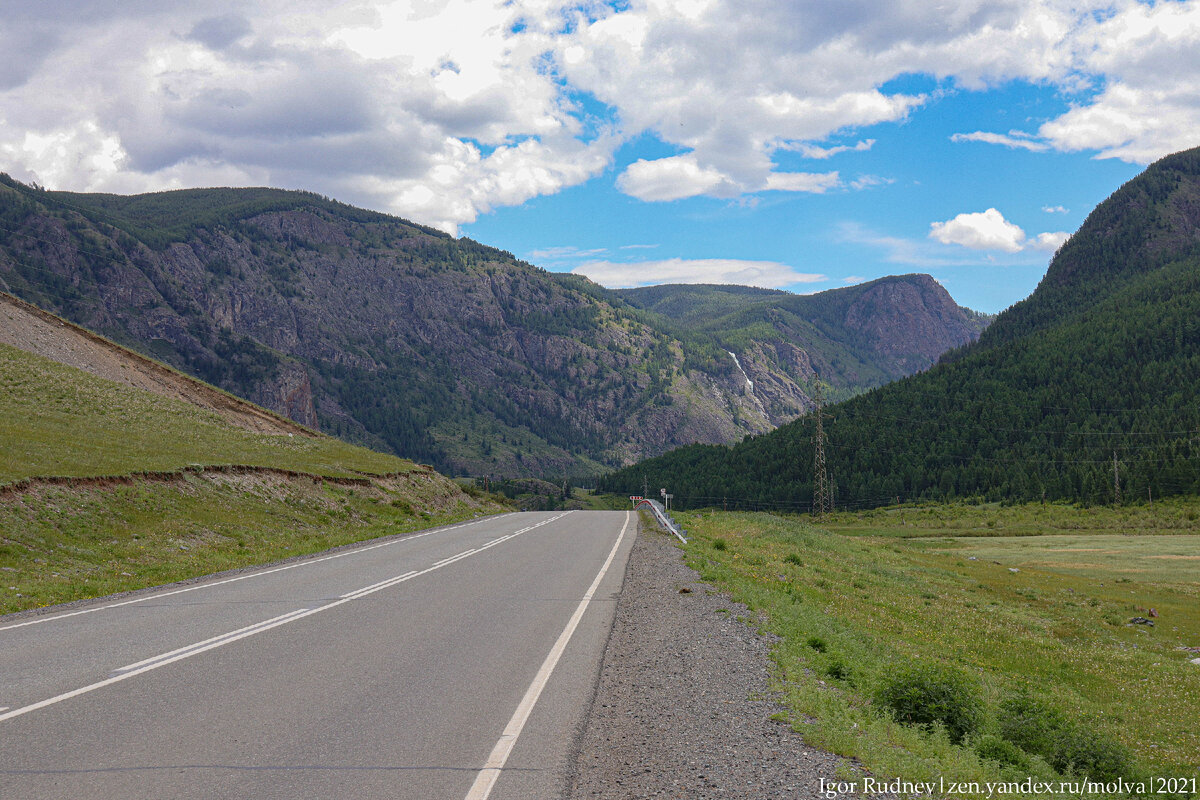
817	152
764	274
565	252
869	182
1012	140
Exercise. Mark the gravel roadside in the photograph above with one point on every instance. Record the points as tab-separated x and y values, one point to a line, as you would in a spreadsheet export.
683	705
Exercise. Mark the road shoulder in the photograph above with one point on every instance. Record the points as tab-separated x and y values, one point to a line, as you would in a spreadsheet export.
683	706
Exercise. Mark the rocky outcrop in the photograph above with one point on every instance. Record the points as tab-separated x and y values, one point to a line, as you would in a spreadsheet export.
910	322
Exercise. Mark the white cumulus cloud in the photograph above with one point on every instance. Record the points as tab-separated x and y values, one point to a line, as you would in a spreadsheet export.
673	178
444	111
989	230
1048	242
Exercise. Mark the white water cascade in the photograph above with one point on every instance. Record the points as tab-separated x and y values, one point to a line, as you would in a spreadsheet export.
749	383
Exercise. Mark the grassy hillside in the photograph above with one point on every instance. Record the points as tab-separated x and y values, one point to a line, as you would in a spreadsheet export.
59	421
153	500
1086	391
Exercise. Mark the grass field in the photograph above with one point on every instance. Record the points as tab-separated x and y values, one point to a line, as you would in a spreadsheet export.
1020	605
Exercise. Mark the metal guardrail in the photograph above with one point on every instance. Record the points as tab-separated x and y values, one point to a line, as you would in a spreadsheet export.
664	518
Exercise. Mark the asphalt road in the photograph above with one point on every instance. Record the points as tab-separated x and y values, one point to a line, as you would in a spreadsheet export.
394	670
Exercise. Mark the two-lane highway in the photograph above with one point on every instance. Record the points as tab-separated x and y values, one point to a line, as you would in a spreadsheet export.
454	663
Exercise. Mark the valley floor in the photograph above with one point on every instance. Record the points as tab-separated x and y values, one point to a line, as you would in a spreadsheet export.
981	644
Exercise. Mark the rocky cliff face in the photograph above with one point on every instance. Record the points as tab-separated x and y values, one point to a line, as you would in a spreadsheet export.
909	322
393	335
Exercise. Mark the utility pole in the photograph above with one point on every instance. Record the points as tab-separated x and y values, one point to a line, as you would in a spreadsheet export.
821	504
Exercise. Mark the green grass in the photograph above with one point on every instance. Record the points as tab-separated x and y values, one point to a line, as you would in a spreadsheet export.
885	591
59	544
1033	519
58	421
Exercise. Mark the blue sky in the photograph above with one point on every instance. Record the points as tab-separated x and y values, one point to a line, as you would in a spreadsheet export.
805	144
844	235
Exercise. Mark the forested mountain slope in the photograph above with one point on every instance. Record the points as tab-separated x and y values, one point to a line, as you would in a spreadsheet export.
1087	390
397	336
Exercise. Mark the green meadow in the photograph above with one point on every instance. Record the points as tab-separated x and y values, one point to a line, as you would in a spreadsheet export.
979	643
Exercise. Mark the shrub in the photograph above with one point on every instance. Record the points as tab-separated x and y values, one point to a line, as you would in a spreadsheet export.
925	694
792	558
837	670
816	643
719	544
1039	728
1031	724
993	747
1092	753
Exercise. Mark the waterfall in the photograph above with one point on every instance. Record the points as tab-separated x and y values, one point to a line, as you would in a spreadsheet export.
749	383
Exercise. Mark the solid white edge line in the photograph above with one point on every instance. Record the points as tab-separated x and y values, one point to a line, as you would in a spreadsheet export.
485	781
159	595
187	651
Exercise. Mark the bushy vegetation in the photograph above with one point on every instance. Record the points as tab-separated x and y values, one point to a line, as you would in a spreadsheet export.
1036	727
933	694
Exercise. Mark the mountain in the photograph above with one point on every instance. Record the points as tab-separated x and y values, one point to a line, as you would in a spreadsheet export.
399	337
854	338
1085	391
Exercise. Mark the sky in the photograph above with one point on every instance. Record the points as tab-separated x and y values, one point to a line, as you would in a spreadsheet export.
795	144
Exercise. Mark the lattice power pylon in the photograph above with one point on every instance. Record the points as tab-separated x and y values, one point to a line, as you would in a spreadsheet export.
822	501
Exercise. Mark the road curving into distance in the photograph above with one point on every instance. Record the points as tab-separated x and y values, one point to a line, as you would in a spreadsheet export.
399	669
